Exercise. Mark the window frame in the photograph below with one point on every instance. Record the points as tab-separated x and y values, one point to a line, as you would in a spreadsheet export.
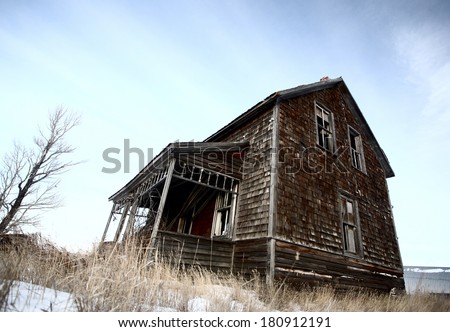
229	209
347	224
184	225
320	127
357	152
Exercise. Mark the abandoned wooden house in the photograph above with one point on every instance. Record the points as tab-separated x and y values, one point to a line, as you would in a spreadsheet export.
294	188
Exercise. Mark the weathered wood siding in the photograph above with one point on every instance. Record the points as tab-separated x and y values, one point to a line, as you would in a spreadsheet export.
304	265
251	256
191	250
253	199
308	189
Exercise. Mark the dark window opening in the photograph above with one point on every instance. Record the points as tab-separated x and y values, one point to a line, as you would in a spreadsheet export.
350	226
224	214
325	136
356	150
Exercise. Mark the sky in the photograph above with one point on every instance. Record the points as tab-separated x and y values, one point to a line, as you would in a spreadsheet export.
147	73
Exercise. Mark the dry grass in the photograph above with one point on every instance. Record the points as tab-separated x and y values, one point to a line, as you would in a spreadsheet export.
121	281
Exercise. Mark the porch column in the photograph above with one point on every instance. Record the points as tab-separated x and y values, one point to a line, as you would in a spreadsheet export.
122	221
107	224
131	217
161	204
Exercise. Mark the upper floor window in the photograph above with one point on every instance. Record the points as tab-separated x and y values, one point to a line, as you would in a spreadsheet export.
356	150
324	123
350	226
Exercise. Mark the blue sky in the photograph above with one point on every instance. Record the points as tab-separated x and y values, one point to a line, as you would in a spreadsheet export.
153	72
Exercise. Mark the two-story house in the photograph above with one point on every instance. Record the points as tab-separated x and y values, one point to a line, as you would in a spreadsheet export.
294	188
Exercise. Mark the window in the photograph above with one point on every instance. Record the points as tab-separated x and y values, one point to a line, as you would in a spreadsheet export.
184	225
356	150
324	122
350	226
224	214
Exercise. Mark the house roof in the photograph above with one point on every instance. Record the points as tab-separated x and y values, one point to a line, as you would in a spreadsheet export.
298	91
276	97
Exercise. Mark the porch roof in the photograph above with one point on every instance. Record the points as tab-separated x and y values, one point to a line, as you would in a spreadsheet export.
205	154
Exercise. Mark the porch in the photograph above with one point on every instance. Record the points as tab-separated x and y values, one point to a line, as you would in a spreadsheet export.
189	188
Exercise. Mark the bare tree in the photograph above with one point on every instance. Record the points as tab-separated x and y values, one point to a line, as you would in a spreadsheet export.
29	176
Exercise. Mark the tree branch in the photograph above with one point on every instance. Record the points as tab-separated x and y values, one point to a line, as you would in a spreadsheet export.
25	172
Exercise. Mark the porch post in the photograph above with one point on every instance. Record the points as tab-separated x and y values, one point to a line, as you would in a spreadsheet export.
122	220
131	217
107	224
161	204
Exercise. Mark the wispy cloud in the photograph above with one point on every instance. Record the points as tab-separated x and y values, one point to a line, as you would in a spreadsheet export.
425	51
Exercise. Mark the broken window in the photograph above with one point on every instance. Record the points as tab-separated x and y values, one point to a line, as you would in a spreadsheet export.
223	219
324	122
184	225
356	150
350	226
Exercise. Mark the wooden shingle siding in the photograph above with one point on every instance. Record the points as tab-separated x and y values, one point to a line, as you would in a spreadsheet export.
306	265
253	199
307	212
250	256
308	193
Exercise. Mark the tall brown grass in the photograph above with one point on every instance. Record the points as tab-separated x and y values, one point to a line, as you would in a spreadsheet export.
121	280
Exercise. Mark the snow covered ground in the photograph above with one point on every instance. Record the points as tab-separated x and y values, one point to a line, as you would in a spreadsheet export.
26	297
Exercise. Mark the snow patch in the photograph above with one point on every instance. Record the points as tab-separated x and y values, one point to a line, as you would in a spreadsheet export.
198	304
163	309
27	297
237	306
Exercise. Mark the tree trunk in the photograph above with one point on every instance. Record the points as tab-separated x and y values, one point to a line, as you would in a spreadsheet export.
18	201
